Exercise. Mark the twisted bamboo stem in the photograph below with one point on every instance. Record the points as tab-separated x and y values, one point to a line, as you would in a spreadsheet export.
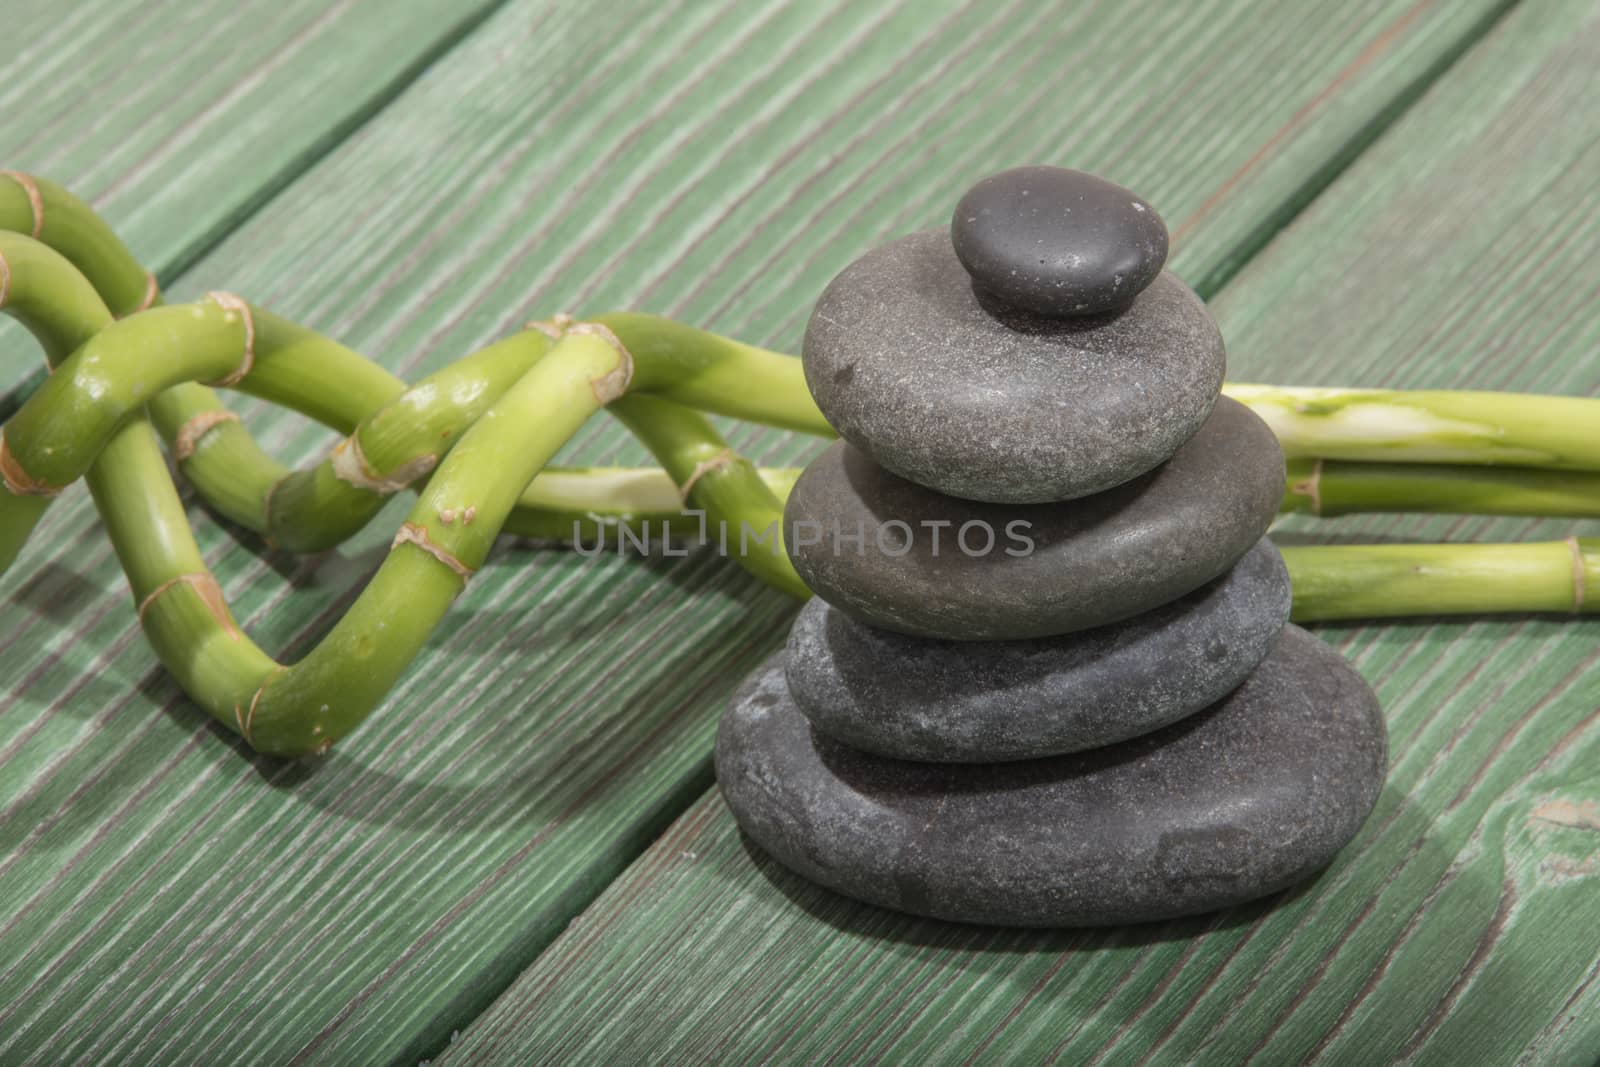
517	404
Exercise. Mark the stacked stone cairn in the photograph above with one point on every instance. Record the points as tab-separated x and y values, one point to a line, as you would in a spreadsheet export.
1048	677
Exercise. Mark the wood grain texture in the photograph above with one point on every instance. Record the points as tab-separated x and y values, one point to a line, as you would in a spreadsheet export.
170	899
1463	925
176	120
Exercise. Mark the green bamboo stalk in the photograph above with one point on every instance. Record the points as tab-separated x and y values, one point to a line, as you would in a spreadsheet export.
288	710
213	450
446	538
179	603
216	454
1342	487
119	366
40	209
711	373
404	434
63	426
1397	581
44	292
314	509
400	434
400	442
332	511
403	440
583	504
88	417
110	378
746	517
1330	582
1430	426
603	505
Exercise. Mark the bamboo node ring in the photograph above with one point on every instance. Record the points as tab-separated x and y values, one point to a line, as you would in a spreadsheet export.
1311	487
190	433
19	482
250	716
151	291
230	302
351	466
412	534
35	202
555	327
614	382
206	588
704	467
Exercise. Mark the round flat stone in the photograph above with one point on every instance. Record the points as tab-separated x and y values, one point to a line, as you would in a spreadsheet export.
905	558
1058	242
1241	800
986	701
988	403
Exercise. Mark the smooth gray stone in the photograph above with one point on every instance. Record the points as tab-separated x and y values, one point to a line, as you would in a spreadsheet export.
1243	799
994	404
1094	561
1058	242
987	701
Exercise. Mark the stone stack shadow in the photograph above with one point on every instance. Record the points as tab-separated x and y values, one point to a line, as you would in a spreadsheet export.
1048	678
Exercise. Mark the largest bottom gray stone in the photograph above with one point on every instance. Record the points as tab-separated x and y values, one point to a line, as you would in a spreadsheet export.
1243	799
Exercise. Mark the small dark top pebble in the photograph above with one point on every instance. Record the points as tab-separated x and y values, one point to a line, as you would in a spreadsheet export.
1058	242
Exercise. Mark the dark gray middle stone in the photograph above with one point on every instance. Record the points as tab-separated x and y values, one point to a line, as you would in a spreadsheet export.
981	401
983	701
1092	561
1243	799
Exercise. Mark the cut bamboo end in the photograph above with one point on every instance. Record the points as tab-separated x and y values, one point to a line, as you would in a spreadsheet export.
30	189
237	305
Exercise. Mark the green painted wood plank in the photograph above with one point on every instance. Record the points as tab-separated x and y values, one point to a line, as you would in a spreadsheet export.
1463	926
718	161
178	120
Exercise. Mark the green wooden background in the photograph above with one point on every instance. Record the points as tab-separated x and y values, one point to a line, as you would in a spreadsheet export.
521	847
